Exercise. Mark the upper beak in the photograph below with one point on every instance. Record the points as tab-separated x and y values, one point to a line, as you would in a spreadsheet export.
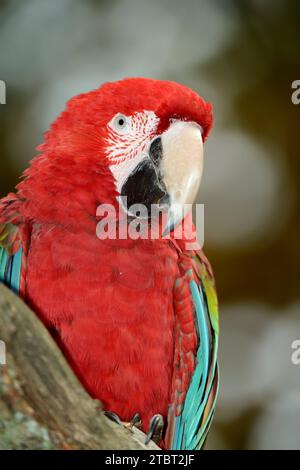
181	169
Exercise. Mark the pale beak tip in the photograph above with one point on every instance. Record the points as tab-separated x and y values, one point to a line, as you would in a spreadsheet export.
168	229
172	221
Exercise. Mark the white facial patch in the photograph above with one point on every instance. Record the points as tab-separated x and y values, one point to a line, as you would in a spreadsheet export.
127	145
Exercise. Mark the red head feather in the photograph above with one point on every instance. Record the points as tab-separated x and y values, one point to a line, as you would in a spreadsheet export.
71	176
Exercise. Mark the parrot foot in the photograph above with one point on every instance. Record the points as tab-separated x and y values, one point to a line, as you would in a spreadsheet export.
155	431
134	422
154	435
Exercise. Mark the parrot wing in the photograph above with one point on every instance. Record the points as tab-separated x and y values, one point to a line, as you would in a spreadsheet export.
195	377
11	269
14	237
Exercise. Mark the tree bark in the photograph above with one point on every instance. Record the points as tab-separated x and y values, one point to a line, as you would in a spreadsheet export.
42	403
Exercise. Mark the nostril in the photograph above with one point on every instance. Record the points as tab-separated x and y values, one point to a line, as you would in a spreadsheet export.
155	151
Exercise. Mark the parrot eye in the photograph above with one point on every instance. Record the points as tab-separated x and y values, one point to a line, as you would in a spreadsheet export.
120	123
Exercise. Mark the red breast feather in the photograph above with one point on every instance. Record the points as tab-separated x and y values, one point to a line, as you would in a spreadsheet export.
111	305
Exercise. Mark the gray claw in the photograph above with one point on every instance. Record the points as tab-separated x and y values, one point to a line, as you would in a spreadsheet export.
136	421
155	429
113	417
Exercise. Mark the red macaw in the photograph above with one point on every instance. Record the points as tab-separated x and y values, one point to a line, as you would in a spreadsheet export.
137	319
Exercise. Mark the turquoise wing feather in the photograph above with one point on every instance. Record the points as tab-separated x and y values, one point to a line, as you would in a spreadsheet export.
10	269
189	429
12	257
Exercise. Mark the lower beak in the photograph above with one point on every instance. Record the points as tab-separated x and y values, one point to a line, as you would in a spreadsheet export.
181	169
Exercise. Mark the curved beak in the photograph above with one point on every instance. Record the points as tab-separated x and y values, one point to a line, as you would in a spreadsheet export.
181	169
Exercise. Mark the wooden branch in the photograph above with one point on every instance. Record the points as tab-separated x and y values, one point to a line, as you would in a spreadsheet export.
42	404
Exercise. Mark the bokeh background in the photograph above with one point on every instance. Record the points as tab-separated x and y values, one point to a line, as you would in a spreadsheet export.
242	55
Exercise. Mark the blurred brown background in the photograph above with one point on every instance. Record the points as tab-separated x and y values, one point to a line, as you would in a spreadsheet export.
242	55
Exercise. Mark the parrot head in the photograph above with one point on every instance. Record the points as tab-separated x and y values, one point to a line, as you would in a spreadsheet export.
145	136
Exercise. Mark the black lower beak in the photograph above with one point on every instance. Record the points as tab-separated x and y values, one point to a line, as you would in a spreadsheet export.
144	186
